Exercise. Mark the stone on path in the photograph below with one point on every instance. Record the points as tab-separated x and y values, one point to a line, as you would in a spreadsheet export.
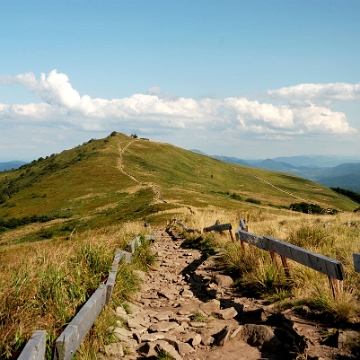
163	345
212	306
197	324
120	311
207	340
223	336
196	340
148	350
115	350
260	336
223	280
184	348
152	337
163	326
227	314
168	294
187	294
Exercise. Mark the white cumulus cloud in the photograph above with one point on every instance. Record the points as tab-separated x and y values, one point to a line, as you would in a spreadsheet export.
331	91
62	105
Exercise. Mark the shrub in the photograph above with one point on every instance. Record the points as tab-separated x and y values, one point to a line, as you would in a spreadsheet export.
236	196
311	209
253	201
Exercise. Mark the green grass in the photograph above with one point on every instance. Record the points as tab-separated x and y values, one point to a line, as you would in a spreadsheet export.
87	181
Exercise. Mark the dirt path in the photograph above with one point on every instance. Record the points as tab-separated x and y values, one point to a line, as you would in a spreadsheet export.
120	161
153	186
276	187
189	309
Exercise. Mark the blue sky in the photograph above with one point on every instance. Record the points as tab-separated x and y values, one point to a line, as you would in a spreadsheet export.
251	79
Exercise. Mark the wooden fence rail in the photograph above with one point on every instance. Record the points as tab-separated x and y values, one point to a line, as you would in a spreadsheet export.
35	347
189	230
70	339
68	342
219	228
330	267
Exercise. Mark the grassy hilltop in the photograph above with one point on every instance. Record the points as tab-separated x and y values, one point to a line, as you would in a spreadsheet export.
120	179
62	217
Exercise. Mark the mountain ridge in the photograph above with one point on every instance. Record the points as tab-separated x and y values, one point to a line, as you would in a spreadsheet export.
119	179
343	175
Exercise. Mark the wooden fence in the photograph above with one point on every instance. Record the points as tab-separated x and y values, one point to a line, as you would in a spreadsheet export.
189	230
70	339
330	267
216	227
356	258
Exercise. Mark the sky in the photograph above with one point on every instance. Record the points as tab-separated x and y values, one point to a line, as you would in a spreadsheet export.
251	79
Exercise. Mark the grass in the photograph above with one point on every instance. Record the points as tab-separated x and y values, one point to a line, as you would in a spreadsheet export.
198	317
46	288
108	188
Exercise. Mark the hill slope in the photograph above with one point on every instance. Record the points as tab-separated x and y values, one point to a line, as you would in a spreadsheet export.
119	179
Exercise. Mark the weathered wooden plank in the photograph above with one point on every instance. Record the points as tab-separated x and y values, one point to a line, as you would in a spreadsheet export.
321	263
126	256
151	238
68	342
35	347
133	244
187	229
252	239
116	260
242	224
110	285
216	227
356	258
171	221
136	242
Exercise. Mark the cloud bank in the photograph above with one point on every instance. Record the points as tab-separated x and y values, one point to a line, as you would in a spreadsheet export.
332	91
62	105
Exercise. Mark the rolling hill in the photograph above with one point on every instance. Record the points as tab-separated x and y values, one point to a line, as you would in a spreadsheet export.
119	178
316	168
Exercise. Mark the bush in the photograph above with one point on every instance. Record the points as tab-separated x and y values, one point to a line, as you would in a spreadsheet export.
311	209
236	197
254	201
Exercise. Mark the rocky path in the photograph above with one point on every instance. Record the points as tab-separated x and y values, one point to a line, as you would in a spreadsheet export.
188	309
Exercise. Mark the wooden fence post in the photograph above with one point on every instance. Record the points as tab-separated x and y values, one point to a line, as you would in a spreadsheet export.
243	227
330	267
285	265
356	258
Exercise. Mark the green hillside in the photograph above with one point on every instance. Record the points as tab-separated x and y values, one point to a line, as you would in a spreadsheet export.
120	178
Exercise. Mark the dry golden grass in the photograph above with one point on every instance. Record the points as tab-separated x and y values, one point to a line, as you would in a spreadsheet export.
335	236
10	237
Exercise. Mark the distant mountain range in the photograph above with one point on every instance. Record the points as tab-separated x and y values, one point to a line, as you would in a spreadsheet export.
9	165
330	171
